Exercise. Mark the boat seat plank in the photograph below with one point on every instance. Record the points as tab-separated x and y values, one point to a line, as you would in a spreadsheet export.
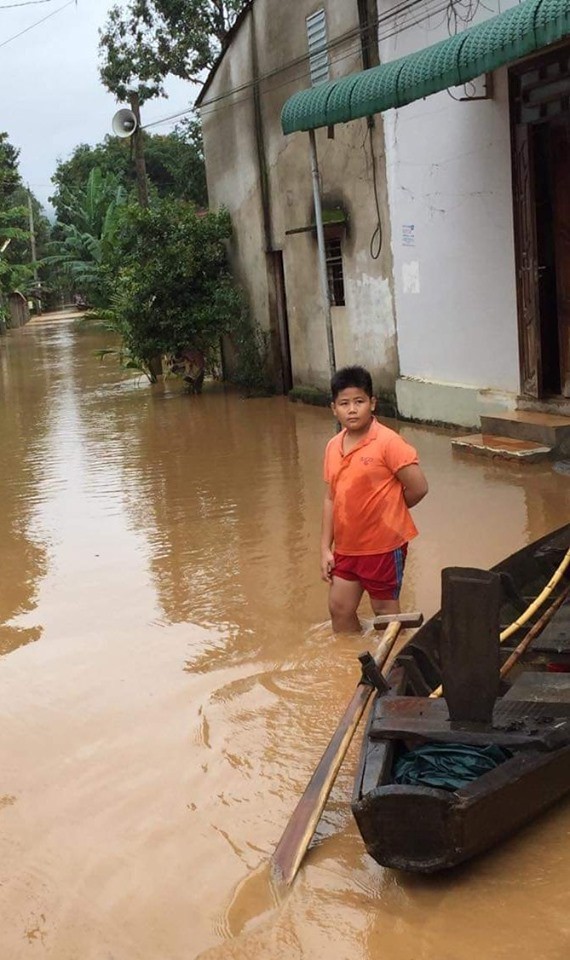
555	638
551	688
516	724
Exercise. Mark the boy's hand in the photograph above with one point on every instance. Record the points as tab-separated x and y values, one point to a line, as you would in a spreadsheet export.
327	565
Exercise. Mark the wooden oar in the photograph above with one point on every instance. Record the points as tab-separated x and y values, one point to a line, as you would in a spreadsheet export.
298	833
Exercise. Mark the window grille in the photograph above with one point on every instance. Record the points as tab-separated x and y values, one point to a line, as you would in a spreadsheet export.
318	53
335	274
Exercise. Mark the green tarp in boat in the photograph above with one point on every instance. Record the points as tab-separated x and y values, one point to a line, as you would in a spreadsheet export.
448	766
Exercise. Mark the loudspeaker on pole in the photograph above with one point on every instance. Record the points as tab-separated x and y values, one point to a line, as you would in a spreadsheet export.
124	123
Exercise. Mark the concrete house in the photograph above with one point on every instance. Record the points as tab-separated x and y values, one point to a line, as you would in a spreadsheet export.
264	179
442	136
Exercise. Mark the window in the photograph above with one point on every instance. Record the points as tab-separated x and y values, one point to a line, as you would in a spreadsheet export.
333	255
318	53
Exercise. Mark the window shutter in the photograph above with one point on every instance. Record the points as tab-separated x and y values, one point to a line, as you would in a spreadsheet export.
318	53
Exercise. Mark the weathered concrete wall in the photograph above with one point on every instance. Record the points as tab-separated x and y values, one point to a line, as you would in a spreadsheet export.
364	329
232	168
449	174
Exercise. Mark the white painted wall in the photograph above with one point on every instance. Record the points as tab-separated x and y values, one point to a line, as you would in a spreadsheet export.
449	182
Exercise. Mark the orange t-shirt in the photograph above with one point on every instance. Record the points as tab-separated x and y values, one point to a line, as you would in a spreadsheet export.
370	514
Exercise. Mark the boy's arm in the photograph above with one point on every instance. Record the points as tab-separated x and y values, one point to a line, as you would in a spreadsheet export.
327	557
414	484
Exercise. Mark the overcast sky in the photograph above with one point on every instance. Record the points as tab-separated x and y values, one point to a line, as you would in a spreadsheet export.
51	98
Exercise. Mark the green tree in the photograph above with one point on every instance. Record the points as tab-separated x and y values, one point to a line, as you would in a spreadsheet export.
175	167
112	156
9	173
90	221
175	163
16	267
144	41
13	273
171	288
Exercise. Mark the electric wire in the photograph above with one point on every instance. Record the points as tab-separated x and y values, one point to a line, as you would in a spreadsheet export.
24	3
440	8
376	240
395	10
37	23
210	107
354	33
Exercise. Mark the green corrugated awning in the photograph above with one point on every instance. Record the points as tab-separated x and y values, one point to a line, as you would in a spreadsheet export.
521	30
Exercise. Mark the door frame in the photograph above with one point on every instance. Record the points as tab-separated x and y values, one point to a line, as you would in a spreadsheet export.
524	209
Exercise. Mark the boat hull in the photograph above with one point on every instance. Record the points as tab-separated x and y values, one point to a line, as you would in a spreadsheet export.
425	829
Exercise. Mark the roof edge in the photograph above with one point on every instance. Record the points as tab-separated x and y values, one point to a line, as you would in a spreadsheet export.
234	29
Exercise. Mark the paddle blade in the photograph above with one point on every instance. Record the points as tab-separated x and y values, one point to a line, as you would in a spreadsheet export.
298	833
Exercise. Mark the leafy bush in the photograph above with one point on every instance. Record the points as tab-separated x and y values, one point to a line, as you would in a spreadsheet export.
171	287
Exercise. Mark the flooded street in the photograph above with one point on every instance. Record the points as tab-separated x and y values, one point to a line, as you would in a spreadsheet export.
168	679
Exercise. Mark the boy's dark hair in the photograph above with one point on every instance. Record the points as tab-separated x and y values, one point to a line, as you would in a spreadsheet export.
351	377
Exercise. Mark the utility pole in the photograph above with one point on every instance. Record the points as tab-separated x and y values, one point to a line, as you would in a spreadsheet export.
37	281
154	363
127	123
325	292
140	166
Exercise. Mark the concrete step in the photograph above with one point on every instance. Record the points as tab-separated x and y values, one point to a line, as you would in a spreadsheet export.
557	405
547	429
506	448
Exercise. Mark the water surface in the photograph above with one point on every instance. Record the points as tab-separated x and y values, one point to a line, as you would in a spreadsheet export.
168	679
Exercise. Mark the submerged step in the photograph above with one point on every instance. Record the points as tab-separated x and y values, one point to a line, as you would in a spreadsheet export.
505	448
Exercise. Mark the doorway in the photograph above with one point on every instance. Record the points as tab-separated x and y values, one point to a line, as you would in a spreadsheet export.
541	186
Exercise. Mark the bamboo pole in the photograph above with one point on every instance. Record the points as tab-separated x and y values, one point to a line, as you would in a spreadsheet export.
530	610
533	633
536	604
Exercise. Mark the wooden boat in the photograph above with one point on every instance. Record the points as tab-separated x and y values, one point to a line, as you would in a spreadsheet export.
425	828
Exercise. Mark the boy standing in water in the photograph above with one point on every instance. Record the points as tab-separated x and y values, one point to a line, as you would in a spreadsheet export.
373	478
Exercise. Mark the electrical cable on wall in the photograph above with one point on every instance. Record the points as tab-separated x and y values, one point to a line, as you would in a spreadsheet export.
377	238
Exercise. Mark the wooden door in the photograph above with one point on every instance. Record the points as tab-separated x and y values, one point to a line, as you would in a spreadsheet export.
560	174
526	261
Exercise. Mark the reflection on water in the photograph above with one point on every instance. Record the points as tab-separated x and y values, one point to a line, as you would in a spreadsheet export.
162	551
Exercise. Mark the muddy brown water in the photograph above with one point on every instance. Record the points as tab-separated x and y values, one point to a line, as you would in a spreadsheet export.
168	679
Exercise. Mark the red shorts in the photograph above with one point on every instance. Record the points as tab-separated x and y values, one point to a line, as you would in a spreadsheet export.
380	574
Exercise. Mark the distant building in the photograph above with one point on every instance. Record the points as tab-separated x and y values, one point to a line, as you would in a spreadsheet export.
18	309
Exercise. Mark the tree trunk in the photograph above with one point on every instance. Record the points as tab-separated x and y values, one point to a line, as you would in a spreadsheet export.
140	165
